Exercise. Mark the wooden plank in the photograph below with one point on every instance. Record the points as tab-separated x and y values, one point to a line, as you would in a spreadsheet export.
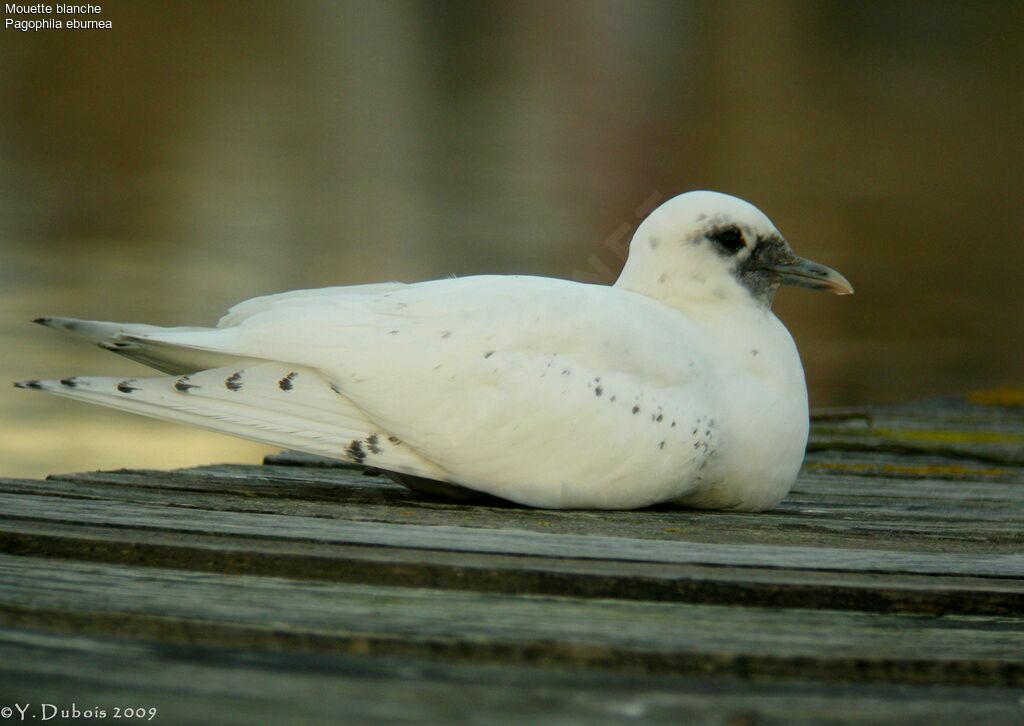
506	541
404	567
946	525
941	498
619	635
928	516
196	684
907	466
947	428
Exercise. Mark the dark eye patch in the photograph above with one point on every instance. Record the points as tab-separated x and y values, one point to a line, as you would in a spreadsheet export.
728	239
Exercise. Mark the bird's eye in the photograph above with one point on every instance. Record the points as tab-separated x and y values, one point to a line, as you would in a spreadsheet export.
728	239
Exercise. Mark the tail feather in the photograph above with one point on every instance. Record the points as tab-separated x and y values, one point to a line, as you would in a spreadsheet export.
270	403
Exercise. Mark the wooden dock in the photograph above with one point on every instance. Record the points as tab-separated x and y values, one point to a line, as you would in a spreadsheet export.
888	587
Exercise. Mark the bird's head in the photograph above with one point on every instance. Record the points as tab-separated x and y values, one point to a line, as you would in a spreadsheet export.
711	245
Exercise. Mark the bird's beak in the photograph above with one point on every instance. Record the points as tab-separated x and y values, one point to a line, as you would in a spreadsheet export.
810	274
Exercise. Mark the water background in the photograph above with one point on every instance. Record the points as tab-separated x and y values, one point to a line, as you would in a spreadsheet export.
200	153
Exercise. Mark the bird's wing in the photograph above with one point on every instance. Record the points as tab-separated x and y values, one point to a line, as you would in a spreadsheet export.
272	403
495	379
300	298
129	339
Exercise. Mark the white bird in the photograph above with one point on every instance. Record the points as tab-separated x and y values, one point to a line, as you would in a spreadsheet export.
676	384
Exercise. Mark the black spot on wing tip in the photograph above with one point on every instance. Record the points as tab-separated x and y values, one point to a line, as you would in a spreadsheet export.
285	384
42	321
34	385
183	385
355	451
373	442
70	382
126	387
234	381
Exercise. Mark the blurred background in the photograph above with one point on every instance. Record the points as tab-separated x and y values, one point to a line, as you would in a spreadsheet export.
200	153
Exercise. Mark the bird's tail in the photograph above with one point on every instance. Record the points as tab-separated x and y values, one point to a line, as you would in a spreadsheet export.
271	403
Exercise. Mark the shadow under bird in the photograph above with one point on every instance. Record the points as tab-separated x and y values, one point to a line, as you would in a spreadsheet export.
676	384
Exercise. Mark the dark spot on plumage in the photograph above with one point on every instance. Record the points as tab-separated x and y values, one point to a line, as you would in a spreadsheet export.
285	384
117	345
612	399
659	418
126	386
355	451
488	354
661	445
673	424
42	321
694	432
392	332
654	242
372	441
598	391
446	333
69	382
234	381
662	277
334	387
183	385
437	367
696	444
636	410
37	385
402	305
566	372
394	440
707	432
754	351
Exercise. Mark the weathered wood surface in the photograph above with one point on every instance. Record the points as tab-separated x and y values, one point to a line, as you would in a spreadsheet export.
888	587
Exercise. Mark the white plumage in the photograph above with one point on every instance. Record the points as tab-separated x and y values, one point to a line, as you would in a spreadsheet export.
676	384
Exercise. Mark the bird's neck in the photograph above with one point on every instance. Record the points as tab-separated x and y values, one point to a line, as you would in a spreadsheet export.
682	283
